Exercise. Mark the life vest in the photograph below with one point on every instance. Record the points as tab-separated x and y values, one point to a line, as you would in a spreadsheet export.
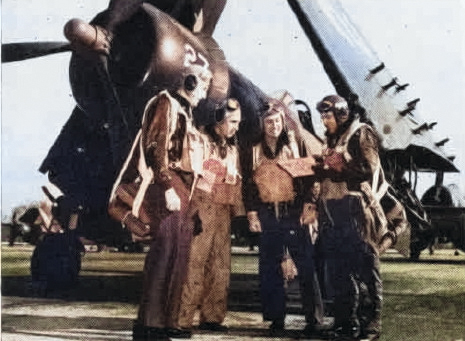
191	157
274	184
220	176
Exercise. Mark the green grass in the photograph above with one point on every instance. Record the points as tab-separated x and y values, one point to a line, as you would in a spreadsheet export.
110	262
422	301
244	264
16	260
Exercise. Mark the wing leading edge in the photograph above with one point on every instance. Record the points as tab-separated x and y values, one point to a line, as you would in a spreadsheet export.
357	73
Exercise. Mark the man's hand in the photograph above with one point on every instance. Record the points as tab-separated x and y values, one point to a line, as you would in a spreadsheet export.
173	202
309	214
136	226
254	222
289	269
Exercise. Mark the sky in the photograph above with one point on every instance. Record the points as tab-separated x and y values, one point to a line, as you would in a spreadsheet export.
420	41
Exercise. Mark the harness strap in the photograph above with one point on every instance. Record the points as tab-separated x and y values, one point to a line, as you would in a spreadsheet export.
146	174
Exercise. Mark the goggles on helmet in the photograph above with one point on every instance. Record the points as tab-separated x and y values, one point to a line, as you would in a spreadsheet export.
324	106
232	104
338	108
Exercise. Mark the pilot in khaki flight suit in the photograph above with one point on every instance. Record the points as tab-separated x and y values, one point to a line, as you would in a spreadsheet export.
166	158
217	198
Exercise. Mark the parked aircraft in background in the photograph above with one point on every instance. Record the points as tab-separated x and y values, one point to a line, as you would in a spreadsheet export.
111	91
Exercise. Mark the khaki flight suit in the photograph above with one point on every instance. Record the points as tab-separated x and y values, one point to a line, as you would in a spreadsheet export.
171	147
217	198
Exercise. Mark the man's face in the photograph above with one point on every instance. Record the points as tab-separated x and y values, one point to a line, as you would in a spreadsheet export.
230	124
329	121
273	125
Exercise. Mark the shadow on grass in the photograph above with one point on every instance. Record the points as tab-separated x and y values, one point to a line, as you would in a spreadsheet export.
21	322
124	289
98	328
243	293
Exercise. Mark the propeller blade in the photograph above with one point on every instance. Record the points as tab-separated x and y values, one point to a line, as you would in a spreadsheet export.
13	52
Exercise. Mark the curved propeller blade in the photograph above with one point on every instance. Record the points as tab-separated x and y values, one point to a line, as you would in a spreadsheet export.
13	52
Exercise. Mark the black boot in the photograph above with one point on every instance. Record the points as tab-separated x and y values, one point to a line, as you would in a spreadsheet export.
309	330
277	328
138	331
371	300
213	326
156	334
178	333
347	331
372	330
144	333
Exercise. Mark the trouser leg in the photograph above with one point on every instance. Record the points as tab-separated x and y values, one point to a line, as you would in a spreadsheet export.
217	275
272	292
346	303
164	272
371	304
193	288
342	260
301	251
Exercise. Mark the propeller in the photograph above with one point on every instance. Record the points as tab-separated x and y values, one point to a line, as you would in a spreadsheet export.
14	52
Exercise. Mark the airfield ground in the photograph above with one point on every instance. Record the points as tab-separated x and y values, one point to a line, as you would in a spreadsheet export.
424	301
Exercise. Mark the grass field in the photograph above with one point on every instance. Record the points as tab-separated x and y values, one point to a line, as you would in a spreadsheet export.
422	302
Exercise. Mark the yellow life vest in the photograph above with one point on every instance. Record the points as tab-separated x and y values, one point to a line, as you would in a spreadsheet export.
274	183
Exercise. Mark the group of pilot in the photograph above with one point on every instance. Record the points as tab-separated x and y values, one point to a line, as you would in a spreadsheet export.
206	180
181	184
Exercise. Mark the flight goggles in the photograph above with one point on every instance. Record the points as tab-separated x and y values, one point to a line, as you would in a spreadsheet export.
338	108
232	104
